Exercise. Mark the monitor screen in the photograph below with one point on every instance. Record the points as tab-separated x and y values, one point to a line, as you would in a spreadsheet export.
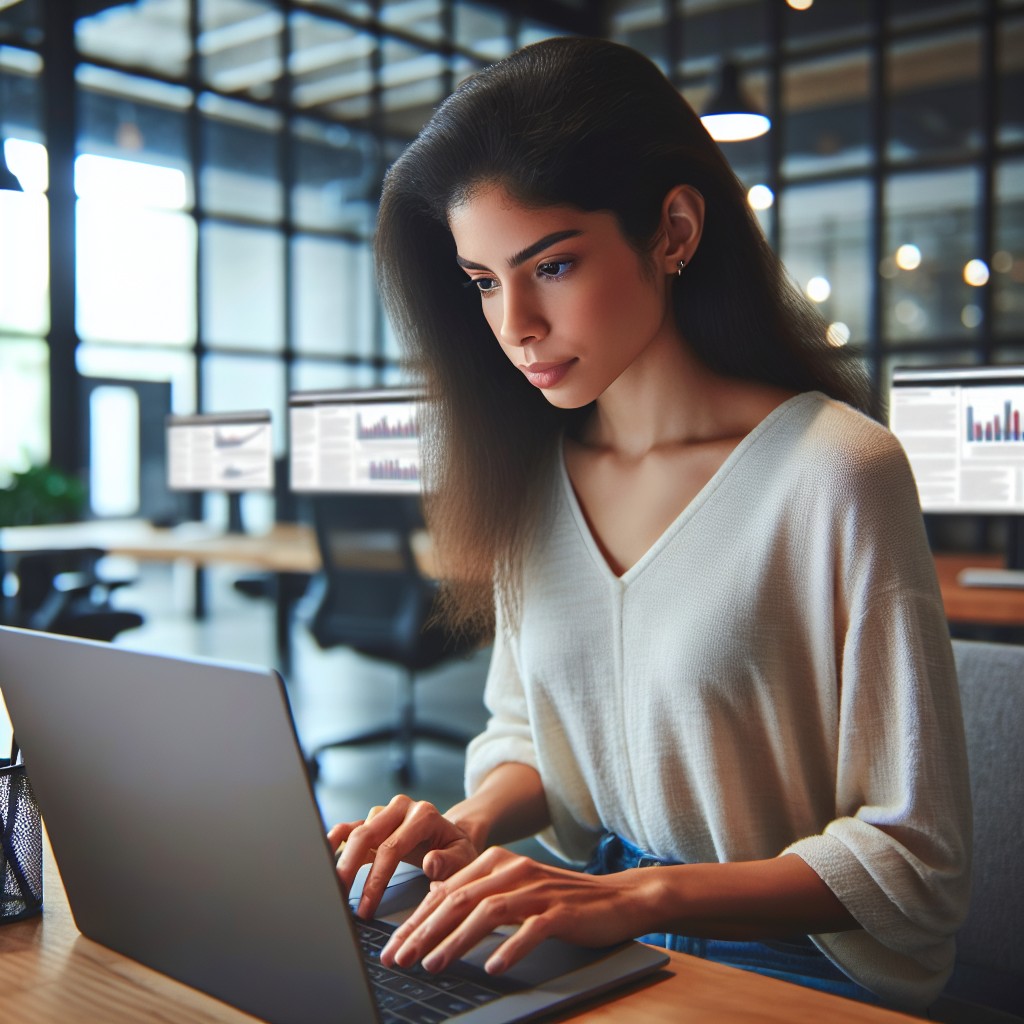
231	452
354	441
963	431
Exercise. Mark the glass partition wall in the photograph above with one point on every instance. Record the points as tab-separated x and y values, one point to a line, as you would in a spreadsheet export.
200	180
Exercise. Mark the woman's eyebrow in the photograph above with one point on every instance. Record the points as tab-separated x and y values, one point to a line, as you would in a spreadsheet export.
531	250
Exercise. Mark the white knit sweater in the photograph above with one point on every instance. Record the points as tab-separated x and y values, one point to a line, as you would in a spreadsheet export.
774	675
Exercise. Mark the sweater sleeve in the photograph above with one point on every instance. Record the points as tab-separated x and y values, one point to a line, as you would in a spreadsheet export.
508	736
898	853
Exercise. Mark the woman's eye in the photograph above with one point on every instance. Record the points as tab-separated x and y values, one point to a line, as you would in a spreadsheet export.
554	268
485	284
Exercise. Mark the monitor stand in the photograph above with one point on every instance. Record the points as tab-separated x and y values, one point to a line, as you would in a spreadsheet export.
1012	576
235	524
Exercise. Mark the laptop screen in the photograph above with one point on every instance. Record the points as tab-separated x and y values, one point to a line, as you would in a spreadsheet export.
354	441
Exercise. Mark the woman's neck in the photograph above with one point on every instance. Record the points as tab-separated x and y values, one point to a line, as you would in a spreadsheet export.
667	397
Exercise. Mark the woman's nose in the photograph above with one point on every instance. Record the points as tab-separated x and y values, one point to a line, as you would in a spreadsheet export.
522	321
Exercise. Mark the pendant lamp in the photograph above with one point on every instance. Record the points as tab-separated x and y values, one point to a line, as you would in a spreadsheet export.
8	180
729	115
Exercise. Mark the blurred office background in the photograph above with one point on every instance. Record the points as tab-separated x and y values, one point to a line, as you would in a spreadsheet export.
200	177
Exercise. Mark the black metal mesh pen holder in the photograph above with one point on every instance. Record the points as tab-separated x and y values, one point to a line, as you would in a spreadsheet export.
21	843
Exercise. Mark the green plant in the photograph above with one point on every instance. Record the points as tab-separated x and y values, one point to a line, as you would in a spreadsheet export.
40	495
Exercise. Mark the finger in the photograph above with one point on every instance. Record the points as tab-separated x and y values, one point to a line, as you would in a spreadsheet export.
464	909
364	837
477	869
405	842
491	912
414	921
530	934
441	864
340	832
386	859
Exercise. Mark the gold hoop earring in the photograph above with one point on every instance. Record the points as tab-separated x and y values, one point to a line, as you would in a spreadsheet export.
679	268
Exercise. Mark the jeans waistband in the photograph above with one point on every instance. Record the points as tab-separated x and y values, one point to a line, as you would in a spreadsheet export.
613	853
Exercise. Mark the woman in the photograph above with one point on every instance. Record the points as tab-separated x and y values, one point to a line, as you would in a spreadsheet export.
721	677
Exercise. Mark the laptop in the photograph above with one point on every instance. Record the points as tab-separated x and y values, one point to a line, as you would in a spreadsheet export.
180	812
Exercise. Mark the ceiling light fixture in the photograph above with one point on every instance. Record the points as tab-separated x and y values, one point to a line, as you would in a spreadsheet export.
729	115
8	179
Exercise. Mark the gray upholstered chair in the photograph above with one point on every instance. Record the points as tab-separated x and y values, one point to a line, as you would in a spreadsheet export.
988	982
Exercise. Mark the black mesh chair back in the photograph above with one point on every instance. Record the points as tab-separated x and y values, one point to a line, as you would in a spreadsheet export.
374	599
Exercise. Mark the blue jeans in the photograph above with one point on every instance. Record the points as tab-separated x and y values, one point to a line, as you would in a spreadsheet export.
794	958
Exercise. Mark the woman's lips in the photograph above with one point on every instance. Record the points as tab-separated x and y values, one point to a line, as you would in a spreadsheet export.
546	375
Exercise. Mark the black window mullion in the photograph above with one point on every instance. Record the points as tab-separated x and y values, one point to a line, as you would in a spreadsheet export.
60	119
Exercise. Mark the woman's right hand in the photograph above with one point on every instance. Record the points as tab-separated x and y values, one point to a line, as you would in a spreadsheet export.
407	830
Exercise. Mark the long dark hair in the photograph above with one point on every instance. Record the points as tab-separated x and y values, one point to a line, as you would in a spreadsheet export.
594	125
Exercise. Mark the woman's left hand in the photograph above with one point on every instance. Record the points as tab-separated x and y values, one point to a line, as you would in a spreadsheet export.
503	888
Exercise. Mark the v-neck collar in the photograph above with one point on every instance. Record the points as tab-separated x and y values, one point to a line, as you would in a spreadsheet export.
687	513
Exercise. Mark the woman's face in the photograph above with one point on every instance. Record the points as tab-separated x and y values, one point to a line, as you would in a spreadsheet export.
571	303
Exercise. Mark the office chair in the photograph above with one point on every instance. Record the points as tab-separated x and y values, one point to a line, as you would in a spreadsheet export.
63	591
374	599
987	986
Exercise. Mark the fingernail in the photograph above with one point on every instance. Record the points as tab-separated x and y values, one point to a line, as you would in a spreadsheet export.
433	962
495	965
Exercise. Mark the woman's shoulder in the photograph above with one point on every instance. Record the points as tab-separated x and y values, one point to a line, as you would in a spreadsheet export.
843	446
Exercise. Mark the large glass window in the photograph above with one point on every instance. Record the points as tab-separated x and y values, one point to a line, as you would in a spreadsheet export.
826	118
905	13
1010	105
24	245
932	269
242	286
827	250
122	34
1008	258
821	24
136	119
281	118
412	85
337	174
241	171
240	46
483	30
935	103
425	19
332	297
135	253
738	29
24	405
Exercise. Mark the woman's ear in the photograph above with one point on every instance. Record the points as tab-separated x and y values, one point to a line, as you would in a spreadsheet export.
682	221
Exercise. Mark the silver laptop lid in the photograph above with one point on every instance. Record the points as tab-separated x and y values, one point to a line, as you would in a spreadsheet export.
165	821
188	837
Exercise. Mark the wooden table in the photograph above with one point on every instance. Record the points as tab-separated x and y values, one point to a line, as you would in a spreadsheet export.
51	974
983	606
287	547
292	548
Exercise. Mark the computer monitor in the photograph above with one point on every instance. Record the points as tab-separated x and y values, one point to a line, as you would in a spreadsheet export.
963	431
355	441
230	452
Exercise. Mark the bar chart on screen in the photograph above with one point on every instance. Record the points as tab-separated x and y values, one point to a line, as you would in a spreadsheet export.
991	421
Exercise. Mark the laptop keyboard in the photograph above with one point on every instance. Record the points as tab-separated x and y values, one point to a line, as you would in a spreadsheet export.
417	997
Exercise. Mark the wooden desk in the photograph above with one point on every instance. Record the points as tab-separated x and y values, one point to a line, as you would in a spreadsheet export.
50	973
988	606
285	548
